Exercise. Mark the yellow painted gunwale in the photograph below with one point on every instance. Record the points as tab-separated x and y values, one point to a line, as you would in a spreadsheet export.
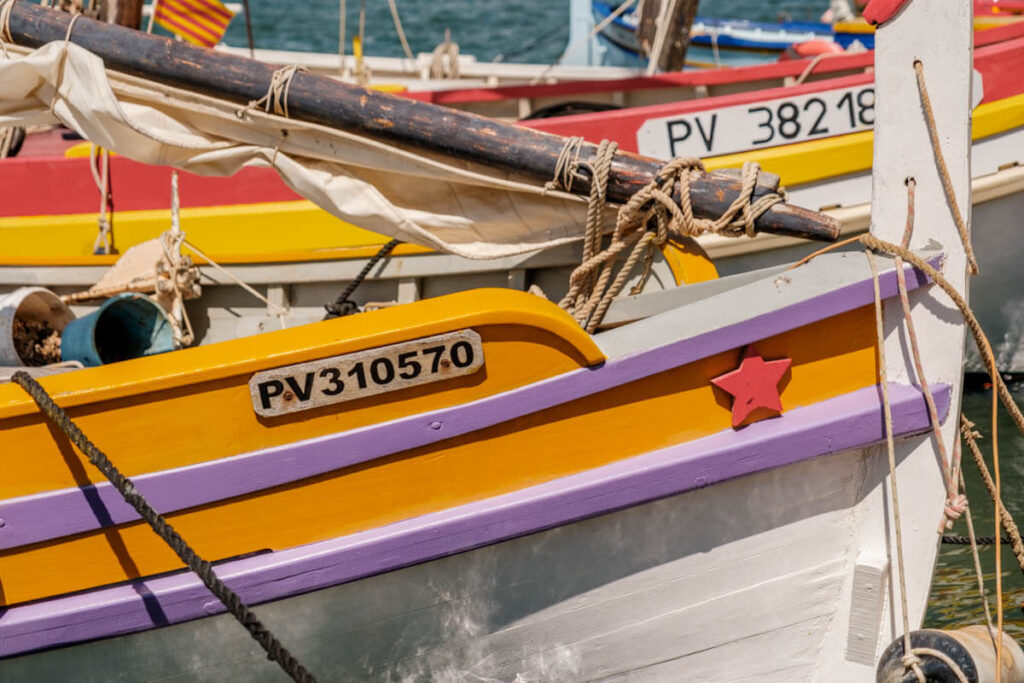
982	22
816	160
298	231
668	408
187	367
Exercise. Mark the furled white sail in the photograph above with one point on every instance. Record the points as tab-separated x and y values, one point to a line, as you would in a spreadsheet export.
441	202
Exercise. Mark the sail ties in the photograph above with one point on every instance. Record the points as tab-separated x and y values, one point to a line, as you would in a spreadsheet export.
276	100
566	166
5	25
647	221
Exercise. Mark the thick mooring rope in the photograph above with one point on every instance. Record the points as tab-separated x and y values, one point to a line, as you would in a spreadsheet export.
594	284
200	567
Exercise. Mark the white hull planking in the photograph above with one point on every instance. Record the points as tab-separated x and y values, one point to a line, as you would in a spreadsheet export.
748	580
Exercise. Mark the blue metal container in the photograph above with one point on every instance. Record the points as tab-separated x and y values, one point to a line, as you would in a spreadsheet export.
124	327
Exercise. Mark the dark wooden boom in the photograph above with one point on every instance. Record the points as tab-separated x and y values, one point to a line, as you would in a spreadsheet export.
325	101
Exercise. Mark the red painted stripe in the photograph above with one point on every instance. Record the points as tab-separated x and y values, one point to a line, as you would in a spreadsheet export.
175	27
43	186
997	63
746	75
192	10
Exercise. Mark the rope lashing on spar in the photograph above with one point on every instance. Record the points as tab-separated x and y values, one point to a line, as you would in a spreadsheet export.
6	6
276	99
200	567
566	166
647	221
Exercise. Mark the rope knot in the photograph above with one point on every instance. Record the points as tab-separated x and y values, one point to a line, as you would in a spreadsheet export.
276	100
911	662
650	217
567	166
955	508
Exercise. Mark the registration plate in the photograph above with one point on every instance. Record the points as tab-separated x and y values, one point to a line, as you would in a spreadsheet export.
756	125
365	373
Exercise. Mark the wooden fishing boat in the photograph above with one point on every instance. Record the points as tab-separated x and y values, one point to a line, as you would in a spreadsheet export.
828	171
473	486
740	42
817	137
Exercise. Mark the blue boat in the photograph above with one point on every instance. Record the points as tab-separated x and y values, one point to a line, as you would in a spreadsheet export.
713	42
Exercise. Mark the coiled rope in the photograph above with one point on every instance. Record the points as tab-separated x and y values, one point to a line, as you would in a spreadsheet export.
200	567
594	284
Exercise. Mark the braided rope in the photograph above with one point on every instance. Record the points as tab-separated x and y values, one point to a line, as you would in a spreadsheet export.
200	567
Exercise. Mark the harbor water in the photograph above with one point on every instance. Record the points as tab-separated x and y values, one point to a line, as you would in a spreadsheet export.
536	31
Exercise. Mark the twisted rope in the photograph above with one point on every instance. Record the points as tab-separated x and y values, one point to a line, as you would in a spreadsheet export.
344	305
949	539
567	166
594	284
970	437
200	567
399	30
940	162
6	6
276	99
910	660
956	502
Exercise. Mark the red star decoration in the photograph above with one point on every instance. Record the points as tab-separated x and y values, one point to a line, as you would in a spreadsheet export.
754	384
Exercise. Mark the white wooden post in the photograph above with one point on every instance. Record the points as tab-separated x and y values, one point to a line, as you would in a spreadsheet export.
940	36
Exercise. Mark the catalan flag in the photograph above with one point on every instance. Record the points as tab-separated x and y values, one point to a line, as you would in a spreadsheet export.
202	22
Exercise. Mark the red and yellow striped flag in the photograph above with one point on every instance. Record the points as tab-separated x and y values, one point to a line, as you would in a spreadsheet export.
202	22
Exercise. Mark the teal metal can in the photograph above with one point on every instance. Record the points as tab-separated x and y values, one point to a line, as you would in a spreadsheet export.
126	326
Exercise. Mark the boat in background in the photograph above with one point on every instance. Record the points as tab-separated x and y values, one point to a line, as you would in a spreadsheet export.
49	240
817	137
527	501
717	42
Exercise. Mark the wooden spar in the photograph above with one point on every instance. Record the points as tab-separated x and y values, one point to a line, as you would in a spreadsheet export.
324	101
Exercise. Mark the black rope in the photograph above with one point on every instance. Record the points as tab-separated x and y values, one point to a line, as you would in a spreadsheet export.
981	540
343	305
198	565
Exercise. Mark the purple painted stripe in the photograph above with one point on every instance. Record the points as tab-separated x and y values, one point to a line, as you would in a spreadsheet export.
45	516
849	421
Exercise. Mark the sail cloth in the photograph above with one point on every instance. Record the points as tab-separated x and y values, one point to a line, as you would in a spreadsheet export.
445	203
